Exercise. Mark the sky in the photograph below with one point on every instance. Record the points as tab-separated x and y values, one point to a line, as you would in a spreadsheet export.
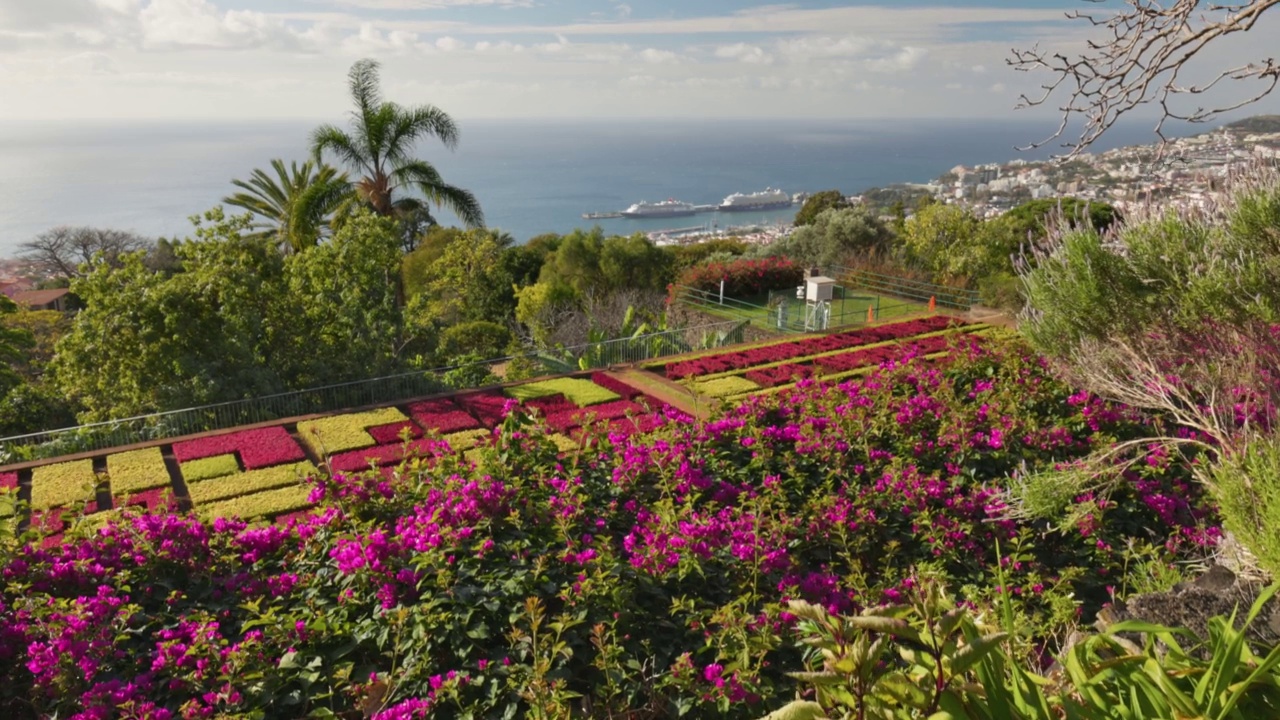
220	60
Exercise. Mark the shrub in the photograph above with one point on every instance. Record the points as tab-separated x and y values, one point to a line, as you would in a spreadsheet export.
742	278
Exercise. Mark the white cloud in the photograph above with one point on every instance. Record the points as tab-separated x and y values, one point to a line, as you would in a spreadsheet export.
426	4
979	69
905	59
742	52
955	86
450	44
199	23
88	63
658	57
997	88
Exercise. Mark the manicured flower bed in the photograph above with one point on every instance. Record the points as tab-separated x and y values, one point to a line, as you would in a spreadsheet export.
664	560
210	467
489	407
739	360
62	484
725	386
779	375
137	470
258	449
245	483
339	433
578	391
442	415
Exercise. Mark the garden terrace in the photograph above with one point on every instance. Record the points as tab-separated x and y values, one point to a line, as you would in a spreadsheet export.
262	472
664	558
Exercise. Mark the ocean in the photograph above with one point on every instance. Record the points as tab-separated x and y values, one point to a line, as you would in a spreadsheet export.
531	176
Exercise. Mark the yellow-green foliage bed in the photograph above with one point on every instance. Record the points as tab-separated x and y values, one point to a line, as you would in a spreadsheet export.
341	433
62	484
137	470
582	393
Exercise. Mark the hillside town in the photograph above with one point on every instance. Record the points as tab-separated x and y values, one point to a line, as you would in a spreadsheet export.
1187	172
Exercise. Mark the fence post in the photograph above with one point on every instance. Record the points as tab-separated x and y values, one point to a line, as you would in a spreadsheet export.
871	314
933	303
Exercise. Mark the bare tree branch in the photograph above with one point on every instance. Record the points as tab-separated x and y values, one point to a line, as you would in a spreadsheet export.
1140	63
67	252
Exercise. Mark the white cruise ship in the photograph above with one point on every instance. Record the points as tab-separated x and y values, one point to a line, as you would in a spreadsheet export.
666	208
769	199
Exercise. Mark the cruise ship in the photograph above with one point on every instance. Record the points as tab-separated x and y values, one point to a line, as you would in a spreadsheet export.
769	199
666	208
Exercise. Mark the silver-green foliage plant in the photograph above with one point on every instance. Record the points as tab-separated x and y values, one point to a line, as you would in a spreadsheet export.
930	659
1174	312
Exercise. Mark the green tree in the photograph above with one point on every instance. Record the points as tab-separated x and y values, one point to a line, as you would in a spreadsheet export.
1031	220
343	318
480	338
819	203
14	342
833	237
238	320
576	262
941	239
294	206
634	261
379	148
538	305
686	256
467	281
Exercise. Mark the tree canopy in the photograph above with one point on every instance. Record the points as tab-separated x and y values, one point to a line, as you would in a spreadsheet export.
819	203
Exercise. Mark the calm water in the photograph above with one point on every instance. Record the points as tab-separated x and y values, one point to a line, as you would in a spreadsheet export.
531	176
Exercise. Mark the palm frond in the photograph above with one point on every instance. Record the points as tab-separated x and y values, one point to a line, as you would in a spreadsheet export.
421	175
330	138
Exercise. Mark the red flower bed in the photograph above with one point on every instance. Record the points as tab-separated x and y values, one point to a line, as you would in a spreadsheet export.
443	415
380	456
738	360
613	384
780	375
551	404
487	407
8	481
154	500
743	278
385	434
874	356
260	448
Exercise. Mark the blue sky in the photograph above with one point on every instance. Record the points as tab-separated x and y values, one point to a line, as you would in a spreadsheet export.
256	59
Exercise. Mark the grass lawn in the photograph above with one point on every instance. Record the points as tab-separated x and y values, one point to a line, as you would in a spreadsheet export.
850	310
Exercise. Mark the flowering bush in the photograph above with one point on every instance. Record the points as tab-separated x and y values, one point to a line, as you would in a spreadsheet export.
743	278
646	576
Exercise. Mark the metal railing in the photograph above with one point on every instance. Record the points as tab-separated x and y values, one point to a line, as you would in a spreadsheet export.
359	393
785	313
913	290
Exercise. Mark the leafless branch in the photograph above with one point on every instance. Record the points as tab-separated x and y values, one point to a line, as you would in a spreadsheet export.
67	252
1140	62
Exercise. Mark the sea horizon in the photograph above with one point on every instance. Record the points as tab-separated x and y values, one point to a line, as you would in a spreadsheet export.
531	175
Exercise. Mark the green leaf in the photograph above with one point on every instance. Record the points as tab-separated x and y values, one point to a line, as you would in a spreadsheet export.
798	710
975	651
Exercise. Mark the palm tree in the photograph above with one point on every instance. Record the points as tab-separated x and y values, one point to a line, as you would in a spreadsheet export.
295	204
378	148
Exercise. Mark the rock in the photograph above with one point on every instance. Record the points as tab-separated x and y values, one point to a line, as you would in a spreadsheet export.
1218	592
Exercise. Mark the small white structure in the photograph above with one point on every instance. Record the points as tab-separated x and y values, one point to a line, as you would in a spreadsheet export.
819	288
